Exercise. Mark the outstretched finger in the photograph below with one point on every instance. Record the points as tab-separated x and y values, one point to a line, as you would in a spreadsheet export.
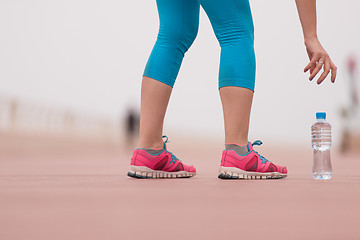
333	71
311	65
318	67
312	68
325	73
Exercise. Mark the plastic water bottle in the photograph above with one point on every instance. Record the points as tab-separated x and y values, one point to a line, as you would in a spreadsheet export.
321	143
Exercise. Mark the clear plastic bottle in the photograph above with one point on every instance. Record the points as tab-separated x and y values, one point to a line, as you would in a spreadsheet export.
321	143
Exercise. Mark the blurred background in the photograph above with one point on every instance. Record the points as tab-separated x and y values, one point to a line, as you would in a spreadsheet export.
70	77
75	67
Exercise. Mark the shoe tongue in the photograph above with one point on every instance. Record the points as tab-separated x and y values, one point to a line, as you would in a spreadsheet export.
250	147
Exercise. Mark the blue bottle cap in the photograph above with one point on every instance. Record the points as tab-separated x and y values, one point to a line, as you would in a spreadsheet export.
321	115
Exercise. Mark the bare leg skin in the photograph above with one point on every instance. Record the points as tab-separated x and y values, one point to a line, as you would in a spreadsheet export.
155	97
236	103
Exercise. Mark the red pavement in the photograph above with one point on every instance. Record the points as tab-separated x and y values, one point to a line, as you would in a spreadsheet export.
85	194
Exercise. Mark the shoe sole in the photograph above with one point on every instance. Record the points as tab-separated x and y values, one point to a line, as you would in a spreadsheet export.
236	173
145	172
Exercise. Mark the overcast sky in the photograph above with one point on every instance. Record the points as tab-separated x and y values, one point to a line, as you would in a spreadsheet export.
90	55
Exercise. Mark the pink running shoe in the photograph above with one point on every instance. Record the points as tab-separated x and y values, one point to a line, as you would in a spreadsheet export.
161	165
249	166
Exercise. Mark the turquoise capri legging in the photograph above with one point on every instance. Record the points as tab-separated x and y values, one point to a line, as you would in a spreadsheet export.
233	27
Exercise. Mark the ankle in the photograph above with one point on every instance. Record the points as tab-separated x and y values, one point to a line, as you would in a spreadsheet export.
151	145
241	142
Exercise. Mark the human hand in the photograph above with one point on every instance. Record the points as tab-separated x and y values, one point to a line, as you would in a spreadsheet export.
319	59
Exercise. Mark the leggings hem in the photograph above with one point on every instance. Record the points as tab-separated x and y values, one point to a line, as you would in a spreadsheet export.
159	77
237	82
